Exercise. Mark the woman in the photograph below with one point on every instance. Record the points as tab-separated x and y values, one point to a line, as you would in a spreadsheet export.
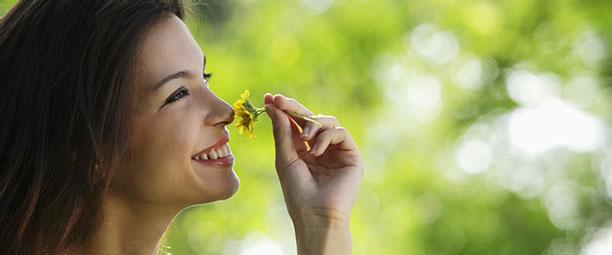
106	120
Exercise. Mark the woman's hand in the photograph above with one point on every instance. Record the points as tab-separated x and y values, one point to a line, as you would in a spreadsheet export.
320	184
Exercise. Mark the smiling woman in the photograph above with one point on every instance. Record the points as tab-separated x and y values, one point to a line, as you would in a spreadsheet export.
109	129
66	105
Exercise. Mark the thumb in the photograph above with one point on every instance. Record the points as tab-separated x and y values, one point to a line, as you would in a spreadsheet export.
285	150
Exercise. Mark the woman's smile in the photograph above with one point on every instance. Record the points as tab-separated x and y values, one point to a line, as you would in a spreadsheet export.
144	137
218	154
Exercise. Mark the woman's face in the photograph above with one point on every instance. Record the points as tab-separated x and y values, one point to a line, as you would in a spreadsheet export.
178	123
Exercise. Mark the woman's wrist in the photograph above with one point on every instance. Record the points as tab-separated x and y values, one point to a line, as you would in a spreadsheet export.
322	232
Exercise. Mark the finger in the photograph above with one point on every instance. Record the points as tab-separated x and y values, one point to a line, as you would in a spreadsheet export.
281	126
327	122
336	136
290	105
297	129
298	142
310	129
268	99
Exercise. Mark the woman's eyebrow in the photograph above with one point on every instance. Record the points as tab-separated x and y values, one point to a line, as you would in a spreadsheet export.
178	75
184	74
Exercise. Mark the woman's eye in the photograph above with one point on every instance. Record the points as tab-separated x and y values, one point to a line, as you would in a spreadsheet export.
180	93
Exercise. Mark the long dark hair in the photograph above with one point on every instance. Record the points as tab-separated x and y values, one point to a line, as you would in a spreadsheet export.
67	68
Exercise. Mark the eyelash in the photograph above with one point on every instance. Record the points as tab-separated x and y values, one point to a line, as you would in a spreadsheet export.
183	92
180	93
207	76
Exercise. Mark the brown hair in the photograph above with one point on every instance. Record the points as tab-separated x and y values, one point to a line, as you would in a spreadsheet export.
65	107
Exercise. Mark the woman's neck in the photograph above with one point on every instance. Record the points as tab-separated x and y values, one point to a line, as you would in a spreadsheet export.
130	227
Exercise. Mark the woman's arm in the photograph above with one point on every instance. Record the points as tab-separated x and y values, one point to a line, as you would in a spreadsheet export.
322	235
319	184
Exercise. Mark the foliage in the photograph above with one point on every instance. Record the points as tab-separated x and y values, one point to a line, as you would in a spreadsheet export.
485	125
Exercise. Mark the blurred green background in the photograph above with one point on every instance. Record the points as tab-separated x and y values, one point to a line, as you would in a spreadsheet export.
485	125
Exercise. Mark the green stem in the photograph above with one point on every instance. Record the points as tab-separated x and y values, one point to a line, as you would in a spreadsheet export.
260	111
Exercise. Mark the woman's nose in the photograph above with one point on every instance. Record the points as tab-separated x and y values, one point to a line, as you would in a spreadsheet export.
221	113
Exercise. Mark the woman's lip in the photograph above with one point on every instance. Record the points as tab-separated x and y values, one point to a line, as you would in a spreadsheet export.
225	161
222	141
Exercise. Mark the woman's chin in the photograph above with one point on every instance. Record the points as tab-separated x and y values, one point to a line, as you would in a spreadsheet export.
231	188
214	186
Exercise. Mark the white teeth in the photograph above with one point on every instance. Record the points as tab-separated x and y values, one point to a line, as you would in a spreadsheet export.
220	153
213	155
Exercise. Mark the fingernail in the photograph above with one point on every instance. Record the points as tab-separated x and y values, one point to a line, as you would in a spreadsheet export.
268	98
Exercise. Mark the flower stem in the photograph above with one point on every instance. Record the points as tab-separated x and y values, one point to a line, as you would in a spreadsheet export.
305	118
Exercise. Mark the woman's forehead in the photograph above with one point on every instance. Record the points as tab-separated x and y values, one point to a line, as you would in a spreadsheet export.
167	48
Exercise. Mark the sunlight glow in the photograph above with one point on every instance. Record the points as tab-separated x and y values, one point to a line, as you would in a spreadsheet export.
437	46
261	246
415	96
470	74
562	205
583	90
590	48
527	181
316	6
474	156
552	124
601	243
605	163
528	88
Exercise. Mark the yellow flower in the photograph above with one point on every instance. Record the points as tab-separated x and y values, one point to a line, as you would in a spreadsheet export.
247	114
